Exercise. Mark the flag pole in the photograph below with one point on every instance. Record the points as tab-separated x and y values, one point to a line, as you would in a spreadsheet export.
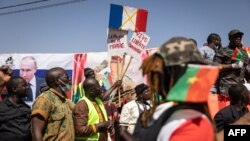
118	89
118	77
123	62
130	60
112	97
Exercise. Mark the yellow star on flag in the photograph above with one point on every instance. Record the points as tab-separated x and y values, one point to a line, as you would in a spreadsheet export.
191	80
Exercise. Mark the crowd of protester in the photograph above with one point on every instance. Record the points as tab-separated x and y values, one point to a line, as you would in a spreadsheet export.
147	117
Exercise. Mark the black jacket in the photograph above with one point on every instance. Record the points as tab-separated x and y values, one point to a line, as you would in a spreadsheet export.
228	115
15	122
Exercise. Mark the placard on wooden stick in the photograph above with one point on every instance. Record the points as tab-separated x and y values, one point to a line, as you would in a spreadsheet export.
117	42
137	45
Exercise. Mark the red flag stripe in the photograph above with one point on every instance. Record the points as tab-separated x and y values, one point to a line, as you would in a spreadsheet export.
205	79
141	20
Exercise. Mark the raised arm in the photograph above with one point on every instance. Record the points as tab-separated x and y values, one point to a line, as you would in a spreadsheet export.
111	89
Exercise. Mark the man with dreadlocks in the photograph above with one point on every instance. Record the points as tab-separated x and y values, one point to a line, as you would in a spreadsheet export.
173	120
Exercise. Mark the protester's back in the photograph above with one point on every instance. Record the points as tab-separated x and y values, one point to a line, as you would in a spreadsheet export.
176	120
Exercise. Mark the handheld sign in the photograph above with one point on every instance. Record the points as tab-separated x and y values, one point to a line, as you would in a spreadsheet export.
117	42
137	45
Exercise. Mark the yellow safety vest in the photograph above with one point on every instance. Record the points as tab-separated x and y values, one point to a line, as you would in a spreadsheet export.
93	117
82	93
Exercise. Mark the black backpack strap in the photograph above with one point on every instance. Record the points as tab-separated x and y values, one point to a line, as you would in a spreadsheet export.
139	109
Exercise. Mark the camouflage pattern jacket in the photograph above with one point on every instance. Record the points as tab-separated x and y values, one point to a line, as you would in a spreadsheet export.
231	76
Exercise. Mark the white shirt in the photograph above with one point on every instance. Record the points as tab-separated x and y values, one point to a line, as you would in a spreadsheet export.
130	114
207	52
33	87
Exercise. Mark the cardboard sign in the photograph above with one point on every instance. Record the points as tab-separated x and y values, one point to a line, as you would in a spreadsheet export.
137	45
117	42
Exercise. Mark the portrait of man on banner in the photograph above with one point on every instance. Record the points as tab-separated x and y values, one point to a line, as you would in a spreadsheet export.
33	67
28	68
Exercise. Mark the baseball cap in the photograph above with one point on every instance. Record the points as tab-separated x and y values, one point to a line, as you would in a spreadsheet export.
234	32
180	50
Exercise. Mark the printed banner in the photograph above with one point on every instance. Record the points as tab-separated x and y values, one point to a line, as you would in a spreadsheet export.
32	67
137	45
117	42
128	18
107	71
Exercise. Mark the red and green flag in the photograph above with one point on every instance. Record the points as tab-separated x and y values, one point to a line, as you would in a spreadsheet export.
78	76
194	85
247	49
237	55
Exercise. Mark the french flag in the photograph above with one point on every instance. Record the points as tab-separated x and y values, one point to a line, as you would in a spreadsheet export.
128	18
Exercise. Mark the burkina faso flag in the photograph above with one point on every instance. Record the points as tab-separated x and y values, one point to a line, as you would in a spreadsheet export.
237	55
194	85
247	49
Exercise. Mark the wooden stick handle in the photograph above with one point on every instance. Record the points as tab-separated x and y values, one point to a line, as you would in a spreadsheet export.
130	60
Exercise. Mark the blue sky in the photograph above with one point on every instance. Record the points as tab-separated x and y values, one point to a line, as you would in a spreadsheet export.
82	26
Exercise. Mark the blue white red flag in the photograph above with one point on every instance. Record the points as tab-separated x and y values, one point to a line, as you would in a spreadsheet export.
128	18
